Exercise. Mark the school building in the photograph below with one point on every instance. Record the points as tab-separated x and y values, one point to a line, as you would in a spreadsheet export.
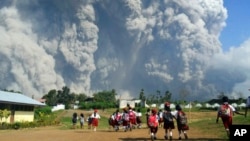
19	107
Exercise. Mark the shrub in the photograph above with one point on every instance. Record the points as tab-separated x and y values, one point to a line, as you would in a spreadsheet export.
16	125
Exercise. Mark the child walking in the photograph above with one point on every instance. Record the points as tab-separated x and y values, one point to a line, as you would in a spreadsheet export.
226	112
95	119
74	120
138	118
153	124
168	120
181	119
89	120
82	120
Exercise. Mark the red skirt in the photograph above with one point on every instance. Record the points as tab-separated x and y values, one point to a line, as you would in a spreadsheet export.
95	122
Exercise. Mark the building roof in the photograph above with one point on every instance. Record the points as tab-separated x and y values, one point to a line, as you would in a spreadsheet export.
16	98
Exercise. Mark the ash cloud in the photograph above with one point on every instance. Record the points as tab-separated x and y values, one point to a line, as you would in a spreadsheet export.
124	45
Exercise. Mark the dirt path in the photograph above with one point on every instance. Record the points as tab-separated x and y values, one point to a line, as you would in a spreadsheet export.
57	134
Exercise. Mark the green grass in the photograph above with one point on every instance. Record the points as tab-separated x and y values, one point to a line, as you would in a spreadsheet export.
207	124
202	121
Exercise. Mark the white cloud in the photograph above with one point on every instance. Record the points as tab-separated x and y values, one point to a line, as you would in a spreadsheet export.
126	45
235	65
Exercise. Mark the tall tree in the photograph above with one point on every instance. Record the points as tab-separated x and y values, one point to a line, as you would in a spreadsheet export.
105	96
65	97
81	97
51	98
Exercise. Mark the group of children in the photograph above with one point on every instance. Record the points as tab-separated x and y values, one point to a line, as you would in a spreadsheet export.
129	119
92	120
168	117
225	112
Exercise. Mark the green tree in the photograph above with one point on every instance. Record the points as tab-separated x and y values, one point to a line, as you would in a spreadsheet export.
51	98
105	96
1	114
81	97
4	114
65	97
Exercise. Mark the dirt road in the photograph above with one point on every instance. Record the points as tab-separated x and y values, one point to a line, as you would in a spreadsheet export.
57	134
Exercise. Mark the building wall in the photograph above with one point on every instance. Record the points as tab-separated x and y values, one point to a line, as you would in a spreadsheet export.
123	103
21	116
24	116
5	120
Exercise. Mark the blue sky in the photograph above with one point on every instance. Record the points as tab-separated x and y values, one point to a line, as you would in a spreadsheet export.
237	29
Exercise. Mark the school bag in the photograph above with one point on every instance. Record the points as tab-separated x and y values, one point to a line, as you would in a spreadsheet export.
125	116
167	117
131	115
225	110
152	121
182	118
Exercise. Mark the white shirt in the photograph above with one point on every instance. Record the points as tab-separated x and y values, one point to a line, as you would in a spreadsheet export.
230	106
138	114
174	113
95	116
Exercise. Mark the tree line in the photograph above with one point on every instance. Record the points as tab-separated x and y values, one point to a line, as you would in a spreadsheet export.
64	96
102	99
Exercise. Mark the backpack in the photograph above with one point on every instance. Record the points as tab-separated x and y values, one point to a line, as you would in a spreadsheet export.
182	118
152	121
167	117
225	110
131	115
125	116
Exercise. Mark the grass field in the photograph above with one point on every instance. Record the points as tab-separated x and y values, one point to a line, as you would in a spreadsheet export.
202	121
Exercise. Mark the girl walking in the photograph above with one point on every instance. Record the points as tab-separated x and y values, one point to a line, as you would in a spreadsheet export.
82	120
95	119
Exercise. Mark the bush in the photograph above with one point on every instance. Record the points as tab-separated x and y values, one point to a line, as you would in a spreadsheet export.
16	125
42	111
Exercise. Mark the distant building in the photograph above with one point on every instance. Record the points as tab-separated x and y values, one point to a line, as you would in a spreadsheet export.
21	107
124	103
58	107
